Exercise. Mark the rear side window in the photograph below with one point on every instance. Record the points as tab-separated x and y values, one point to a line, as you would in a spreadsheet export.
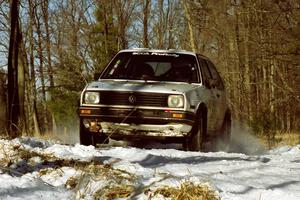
205	71
215	75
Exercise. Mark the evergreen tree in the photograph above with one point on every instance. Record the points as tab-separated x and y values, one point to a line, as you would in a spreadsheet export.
104	35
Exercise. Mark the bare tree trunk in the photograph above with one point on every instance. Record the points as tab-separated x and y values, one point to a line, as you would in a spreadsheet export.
45	5
22	67
170	22
3	116
247	74
13	93
240	101
33	118
161	27
50	71
105	34
147	5
190	26
119	6
41	70
31	86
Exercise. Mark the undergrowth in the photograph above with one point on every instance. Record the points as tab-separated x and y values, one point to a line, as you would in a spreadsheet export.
281	139
187	191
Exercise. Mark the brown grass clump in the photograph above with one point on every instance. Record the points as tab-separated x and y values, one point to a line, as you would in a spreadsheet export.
188	191
115	183
113	192
5	159
71	182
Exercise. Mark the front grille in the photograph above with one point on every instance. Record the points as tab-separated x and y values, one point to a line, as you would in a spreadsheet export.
137	99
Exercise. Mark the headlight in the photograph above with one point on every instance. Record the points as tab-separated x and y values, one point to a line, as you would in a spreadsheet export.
175	101
92	97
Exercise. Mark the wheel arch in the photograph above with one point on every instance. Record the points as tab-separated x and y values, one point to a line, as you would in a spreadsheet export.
201	109
227	115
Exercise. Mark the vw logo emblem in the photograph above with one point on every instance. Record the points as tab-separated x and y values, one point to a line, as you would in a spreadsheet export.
132	99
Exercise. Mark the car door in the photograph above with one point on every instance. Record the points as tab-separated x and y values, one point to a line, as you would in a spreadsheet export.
210	96
218	91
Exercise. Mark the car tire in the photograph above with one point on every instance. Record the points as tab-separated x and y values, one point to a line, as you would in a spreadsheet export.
100	139
196	141
222	142
85	137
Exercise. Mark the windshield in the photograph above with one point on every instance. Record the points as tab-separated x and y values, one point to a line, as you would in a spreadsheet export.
153	66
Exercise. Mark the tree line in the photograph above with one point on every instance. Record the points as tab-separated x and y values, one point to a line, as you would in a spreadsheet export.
50	49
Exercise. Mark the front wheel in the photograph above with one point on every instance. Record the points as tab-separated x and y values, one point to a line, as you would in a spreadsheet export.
85	137
89	138
196	142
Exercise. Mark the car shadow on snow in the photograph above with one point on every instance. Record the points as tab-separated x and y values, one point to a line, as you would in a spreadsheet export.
270	187
152	161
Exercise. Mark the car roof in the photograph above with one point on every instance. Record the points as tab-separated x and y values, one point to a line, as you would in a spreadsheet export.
159	51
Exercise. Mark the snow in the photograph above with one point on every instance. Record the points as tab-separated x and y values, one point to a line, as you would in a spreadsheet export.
271	175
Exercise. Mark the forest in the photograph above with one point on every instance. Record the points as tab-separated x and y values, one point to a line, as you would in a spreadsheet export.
50	49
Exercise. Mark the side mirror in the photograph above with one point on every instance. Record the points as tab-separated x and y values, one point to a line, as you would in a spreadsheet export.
96	76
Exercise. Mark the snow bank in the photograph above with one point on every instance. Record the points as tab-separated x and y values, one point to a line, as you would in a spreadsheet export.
39	169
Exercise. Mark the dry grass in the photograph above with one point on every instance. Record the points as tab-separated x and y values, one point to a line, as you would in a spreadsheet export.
98	180
114	183
282	139
188	191
118	183
113	192
288	138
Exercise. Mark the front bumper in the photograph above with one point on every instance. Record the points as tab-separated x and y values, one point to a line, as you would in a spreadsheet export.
126	122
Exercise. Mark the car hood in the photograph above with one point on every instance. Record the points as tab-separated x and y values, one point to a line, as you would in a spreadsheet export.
141	86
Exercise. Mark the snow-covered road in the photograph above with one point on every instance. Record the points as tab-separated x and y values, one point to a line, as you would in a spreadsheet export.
55	171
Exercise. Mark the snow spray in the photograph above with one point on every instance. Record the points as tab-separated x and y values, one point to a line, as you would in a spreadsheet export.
243	141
